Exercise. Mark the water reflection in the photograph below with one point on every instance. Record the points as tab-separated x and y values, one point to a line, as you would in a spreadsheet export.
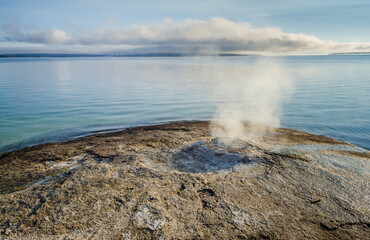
60	98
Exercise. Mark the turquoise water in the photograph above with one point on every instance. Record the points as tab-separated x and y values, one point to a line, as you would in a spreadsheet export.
54	99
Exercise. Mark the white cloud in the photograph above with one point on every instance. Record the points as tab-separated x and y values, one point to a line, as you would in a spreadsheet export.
15	33
218	34
55	36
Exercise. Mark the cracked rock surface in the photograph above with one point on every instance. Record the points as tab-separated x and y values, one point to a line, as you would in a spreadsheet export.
173	181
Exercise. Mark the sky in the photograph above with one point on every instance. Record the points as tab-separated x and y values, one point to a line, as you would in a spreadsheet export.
241	26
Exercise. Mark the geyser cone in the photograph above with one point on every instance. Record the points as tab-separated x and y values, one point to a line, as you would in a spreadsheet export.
216	154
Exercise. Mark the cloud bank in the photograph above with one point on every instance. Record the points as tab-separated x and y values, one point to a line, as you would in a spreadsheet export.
216	34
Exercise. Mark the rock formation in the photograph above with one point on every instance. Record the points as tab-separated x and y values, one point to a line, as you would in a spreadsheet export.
173	181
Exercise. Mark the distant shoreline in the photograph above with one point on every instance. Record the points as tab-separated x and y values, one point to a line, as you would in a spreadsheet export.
72	55
351	53
46	55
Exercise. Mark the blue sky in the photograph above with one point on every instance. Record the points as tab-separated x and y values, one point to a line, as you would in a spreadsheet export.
338	21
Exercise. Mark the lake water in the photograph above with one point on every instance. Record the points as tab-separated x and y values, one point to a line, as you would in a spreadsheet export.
55	99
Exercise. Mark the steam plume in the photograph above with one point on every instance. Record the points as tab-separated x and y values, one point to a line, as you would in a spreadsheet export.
256	98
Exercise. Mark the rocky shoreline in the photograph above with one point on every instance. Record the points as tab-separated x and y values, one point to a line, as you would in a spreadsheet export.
173	181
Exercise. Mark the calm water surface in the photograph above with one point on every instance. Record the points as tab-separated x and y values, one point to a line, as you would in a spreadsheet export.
55	99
